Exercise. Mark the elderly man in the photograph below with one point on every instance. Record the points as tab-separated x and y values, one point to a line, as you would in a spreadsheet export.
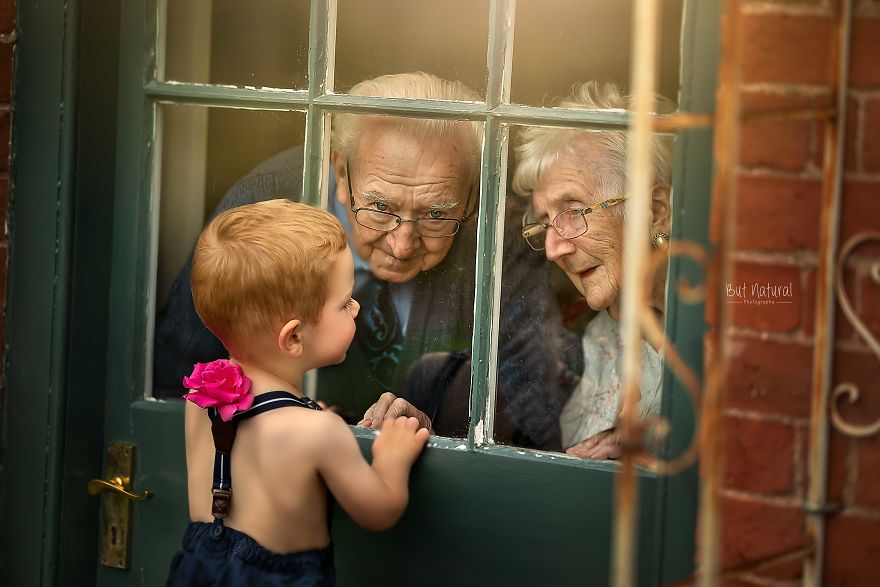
406	191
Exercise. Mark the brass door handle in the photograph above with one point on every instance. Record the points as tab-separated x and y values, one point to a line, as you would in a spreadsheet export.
116	485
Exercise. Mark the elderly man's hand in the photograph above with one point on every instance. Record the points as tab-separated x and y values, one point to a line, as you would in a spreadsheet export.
604	445
390	407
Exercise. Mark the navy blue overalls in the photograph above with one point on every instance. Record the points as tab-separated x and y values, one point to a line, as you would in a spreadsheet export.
214	555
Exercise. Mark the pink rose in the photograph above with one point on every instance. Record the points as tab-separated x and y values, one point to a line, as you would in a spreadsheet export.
219	384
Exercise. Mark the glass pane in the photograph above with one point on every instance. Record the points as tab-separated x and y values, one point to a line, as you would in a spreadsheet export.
260	43
377	37
415	287
567	189
211	159
562	42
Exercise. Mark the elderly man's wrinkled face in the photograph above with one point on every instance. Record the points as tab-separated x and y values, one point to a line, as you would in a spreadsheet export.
395	173
593	261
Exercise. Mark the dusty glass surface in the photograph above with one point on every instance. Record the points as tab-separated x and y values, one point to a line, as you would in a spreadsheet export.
447	39
207	160
561	42
564	264
259	43
407	193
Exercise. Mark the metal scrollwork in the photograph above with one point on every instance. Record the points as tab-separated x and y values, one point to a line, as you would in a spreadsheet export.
653	331
850	390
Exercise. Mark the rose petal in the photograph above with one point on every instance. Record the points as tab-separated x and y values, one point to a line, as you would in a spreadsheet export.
226	412
219	384
201	400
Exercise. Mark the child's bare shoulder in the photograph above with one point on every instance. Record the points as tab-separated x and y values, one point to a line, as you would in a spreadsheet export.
314	423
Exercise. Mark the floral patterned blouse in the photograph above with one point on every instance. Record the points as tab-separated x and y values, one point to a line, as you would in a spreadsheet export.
595	404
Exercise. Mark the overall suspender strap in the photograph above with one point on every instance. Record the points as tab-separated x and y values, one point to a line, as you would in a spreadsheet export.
224	437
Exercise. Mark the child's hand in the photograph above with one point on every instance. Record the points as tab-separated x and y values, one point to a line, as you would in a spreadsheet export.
400	440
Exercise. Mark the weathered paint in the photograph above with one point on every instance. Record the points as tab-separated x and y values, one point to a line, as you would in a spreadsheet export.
823	341
639	171
723	221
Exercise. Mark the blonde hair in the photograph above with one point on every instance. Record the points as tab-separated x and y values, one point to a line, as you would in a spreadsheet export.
540	147
260	263
347	127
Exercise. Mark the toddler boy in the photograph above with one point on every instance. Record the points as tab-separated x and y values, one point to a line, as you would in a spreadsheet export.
273	281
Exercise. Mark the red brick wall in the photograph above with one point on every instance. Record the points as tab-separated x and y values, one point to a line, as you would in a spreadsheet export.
7	45
787	63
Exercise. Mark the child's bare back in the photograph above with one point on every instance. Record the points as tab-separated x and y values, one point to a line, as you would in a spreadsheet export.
281	460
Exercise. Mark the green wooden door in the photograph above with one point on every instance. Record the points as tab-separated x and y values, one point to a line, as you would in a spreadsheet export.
480	513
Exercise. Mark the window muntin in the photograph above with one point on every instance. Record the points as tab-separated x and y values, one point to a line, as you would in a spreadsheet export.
497	113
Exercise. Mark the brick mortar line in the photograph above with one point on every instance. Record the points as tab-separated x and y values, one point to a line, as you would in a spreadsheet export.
759	8
767	581
761	416
787	502
773	173
796	339
784	89
865	9
861	261
804	260
800	259
790	337
868	94
807	173
861	176
860	512
857	346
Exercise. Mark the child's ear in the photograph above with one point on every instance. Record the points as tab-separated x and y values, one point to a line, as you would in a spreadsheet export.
290	338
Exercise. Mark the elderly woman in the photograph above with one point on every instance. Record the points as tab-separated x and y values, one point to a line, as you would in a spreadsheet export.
576	180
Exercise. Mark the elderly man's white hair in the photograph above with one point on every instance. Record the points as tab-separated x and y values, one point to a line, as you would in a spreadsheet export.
540	147
417	85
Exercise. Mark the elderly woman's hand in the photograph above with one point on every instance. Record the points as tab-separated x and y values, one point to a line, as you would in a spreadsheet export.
389	407
604	445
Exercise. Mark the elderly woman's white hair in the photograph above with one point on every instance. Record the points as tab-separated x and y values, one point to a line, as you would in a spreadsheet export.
540	147
347	127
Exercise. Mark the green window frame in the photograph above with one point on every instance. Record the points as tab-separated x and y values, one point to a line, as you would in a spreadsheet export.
141	93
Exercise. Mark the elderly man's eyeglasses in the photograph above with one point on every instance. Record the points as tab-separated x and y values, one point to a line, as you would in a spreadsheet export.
570	223
430	226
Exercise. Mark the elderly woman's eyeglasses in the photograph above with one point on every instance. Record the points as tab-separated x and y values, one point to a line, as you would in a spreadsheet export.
431	226
570	223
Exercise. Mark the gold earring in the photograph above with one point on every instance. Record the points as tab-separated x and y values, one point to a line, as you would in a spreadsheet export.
660	240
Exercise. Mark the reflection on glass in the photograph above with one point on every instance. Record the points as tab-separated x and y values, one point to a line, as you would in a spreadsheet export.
260	43
211	159
572	184
402	187
448	39
558	42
